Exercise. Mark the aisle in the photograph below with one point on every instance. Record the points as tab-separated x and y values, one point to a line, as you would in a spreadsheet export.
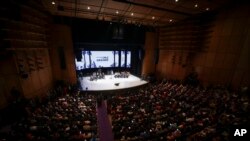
103	122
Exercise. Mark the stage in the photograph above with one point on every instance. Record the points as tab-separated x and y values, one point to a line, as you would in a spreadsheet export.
110	83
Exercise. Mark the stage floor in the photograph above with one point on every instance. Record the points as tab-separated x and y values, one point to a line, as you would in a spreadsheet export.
109	83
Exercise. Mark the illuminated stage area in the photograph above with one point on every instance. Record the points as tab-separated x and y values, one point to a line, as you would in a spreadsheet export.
110	83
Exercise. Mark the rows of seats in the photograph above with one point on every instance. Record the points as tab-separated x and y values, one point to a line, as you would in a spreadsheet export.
62	117
170	111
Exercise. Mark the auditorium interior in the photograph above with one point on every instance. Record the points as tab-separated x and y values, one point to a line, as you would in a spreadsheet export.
124	70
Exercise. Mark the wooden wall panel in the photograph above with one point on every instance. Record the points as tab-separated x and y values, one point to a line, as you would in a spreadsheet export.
227	27
200	59
26	55
226	54
61	37
210	58
182	41
3	100
237	78
172	64
230	61
245	79
36	80
41	71
150	53
214	44
205	73
9	78
27	87
43	79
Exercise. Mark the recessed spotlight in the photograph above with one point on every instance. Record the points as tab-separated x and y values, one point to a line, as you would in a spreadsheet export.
196	5
132	14
153	17
53	3
176	0
207	9
88	8
117	12
170	20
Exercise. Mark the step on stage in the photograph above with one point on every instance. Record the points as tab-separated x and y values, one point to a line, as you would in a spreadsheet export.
109	82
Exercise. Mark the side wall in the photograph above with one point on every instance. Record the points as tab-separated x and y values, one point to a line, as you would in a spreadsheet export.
62	54
9	79
150	53
225	55
226	60
24	56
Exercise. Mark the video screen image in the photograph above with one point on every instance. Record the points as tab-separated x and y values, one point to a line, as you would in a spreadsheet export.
103	59
123	59
116	53
128	59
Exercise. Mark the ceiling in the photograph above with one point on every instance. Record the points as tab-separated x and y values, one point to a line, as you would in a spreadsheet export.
139	12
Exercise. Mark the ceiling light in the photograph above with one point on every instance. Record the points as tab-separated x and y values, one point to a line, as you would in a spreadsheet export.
176	0
153	17
132	14
196	5
170	20
88	8
117	12
53	3
207	8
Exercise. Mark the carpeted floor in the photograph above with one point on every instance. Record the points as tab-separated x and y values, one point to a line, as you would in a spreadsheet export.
104	124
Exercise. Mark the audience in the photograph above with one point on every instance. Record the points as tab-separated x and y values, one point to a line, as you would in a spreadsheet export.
66	115
158	111
172	111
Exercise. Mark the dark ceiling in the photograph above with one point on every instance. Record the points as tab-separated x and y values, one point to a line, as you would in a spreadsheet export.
139	12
